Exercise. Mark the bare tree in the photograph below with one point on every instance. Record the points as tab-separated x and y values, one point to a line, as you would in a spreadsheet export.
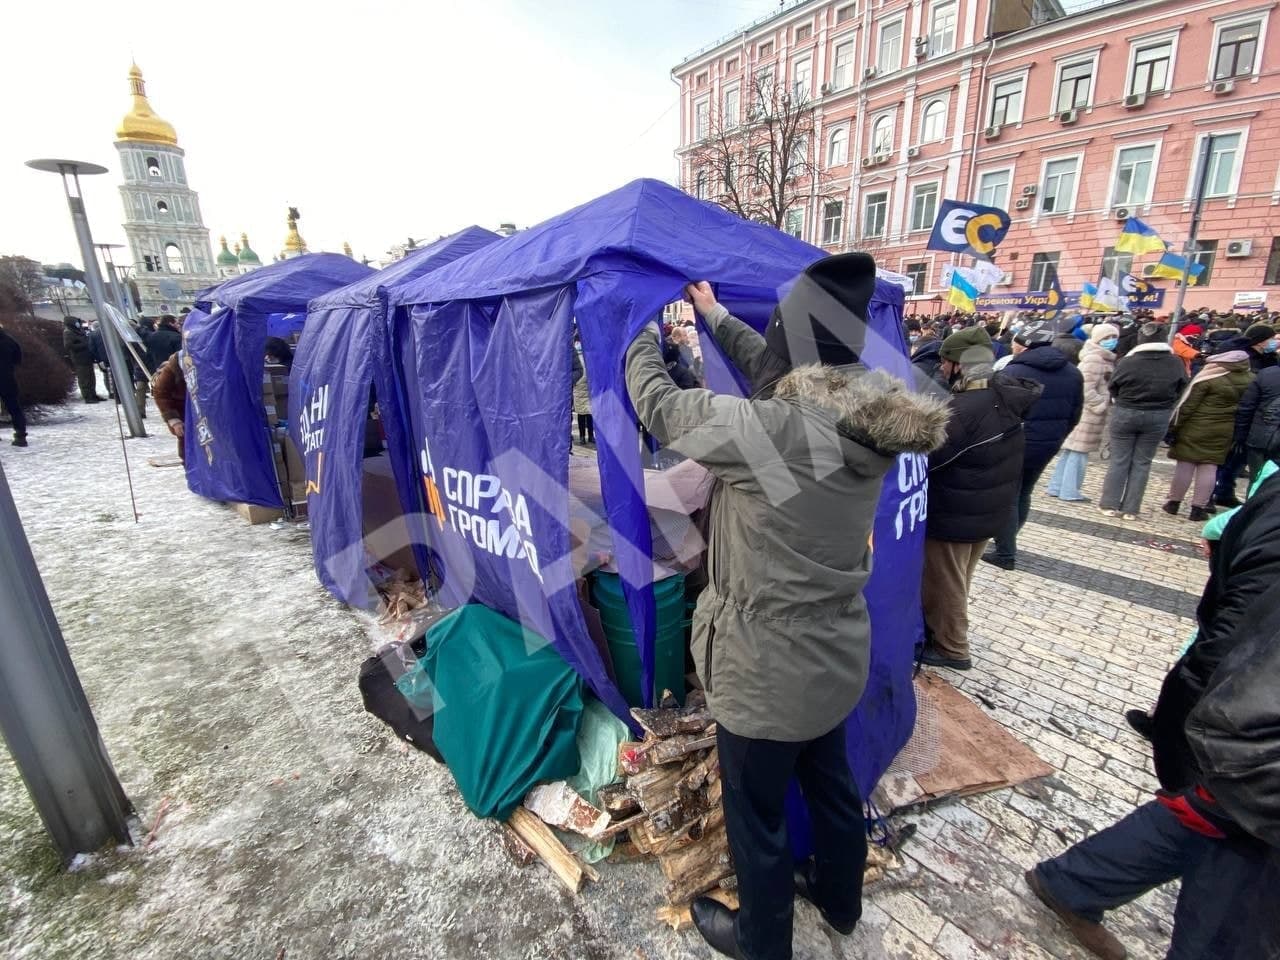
760	160
21	284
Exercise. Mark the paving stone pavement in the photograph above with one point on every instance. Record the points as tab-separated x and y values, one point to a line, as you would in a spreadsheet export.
1084	629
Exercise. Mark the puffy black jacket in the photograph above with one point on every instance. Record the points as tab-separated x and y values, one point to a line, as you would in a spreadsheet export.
1150	377
975	475
1234	729
1259	412
1057	411
75	343
1257	361
161	345
927	360
10	360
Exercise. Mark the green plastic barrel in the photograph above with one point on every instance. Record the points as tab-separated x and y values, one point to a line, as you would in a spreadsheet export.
668	666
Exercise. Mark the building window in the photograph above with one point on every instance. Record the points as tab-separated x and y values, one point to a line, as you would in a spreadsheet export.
882	136
846	13
1116	264
1074	85
1237	51
1044	270
700	185
924	206
933	123
1223	155
1151	67
153	167
842	72
764	90
799	158
1059	192
890	53
731	65
832	222
162	208
701	80
1272	276
1134	168
993	188
173	258
730	172
1006	102
732	107
801	80
838	148
875	216
919	274
804	32
149	263
701	119
942	28
1206	253
793	223
765	49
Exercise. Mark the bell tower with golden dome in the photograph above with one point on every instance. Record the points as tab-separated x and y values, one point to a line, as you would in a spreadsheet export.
172	258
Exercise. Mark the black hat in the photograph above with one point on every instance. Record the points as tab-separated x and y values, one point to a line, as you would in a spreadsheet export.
1035	335
823	319
1259	333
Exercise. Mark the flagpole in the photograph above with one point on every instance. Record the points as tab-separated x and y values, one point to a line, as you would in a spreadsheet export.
1189	248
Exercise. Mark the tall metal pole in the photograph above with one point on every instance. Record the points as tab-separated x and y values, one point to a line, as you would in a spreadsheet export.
70	173
44	716
1189	248
122	298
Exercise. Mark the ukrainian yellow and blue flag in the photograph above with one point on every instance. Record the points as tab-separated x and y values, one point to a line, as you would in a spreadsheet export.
1174	267
1137	237
963	294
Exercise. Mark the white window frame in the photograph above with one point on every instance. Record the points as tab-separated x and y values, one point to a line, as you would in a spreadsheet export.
1234	192
835	65
1262	17
728	122
871	141
1041	192
847	21
1166	36
843	130
786	217
761	53
1075	61
807	93
1008	198
911	205
928	260
955	26
988	113
901	23
795	32
822	236
702	183
862	223
1115	172
702	103
924	115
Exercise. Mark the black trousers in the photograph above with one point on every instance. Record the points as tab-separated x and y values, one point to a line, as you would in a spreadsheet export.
586	429
1007	539
1226	908
1224	487
14	406
755	775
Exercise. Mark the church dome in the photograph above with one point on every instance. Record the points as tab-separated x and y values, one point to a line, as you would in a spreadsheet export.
141	123
225	257
246	252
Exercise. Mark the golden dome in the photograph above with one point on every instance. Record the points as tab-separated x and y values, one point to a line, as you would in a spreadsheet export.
141	123
293	242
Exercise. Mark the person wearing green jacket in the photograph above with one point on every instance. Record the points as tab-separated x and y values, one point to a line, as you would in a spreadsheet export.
781	636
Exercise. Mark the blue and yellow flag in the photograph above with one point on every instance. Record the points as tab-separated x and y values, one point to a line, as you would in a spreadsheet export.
1137	237
1100	297
963	294
1174	267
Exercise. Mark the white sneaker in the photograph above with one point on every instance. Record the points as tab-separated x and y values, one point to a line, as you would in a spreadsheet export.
1128	516
1110	513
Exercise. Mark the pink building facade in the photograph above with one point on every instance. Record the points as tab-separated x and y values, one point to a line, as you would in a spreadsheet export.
1072	118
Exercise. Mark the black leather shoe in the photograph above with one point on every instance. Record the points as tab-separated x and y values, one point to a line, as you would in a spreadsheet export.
717	924
1141	722
805	883
1231	500
997	561
935	659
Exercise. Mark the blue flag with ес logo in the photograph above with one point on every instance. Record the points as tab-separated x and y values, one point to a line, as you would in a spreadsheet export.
969	228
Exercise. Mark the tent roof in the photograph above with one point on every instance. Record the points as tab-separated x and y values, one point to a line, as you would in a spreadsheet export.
646	220
287	286
422	261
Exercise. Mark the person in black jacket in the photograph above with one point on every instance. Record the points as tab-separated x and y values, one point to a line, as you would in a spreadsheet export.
1053	417
1146	385
163	342
973	478
10	360
1257	416
79	353
1216	823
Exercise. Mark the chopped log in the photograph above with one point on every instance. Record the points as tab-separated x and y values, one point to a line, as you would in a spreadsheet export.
668	723
697	778
679	747
653	789
680	918
697	868
559	805
521	853
568	869
616	801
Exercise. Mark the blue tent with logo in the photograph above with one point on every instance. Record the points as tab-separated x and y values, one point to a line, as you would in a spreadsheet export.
227	440
489	337
345	353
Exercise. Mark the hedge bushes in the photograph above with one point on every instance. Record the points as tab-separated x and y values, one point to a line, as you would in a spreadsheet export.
44	379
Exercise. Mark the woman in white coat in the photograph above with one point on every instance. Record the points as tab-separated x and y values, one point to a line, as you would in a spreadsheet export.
1097	361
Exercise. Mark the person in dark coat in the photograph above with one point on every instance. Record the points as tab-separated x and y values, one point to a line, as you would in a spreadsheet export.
164	342
1257	416
79	353
277	350
1204	427
1216	822
1053	417
169	389
10	360
927	360
1259	342
973	477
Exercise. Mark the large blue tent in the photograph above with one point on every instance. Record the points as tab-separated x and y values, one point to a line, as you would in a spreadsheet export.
491	340
227	442
347	350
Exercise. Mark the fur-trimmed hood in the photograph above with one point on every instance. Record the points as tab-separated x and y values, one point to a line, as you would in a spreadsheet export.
871	407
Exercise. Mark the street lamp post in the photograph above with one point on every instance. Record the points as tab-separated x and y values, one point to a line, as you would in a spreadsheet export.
70	171
122	298
1193	234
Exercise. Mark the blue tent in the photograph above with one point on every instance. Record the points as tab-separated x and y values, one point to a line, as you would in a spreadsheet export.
345	352
491	346
227	441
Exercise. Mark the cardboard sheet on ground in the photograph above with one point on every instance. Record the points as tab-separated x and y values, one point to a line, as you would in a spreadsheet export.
974	753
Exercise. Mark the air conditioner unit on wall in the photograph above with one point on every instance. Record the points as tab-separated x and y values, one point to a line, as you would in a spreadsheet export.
1149	270
913	152
868	73
1023	204
826	88
1239	248
868	161
1067	117
1030	190
922	46
882	158
1121	213
1134	101
1006	278
991	133
1224	86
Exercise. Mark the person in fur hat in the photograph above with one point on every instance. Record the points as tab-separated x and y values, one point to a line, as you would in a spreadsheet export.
781	637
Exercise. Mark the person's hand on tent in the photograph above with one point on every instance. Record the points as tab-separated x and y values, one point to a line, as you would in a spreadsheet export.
701	296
